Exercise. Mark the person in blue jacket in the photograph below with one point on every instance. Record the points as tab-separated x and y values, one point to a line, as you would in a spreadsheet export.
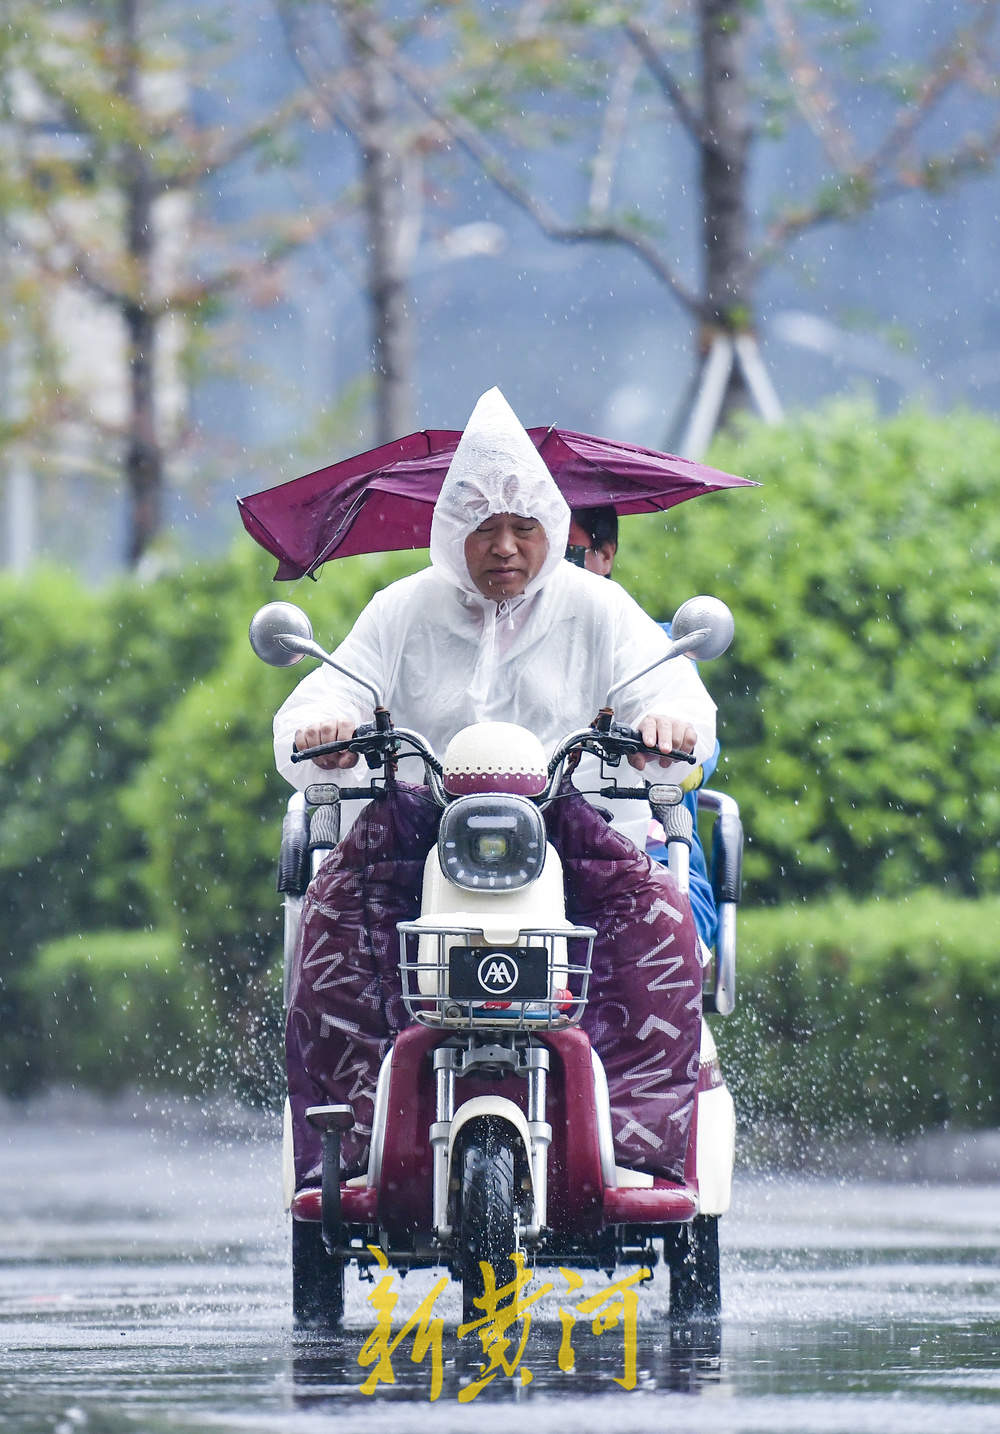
593	544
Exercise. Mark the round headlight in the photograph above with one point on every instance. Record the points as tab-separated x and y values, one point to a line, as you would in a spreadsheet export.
491	843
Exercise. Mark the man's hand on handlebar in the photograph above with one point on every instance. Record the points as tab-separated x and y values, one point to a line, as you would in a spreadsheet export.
318	734
665	734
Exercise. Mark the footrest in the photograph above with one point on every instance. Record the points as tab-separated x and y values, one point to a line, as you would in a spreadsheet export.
358	1204
663	1203
330	1117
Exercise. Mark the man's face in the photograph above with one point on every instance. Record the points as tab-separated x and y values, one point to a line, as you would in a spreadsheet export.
504	554
600	560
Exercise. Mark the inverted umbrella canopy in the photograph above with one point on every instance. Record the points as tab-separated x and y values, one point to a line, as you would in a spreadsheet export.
382	501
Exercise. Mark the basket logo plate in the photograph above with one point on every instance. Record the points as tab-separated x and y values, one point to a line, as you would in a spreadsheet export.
518	973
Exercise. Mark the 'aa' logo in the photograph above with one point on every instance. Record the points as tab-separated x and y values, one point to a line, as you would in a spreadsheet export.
497	974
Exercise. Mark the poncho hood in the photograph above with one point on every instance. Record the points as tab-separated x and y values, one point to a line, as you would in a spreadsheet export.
496	469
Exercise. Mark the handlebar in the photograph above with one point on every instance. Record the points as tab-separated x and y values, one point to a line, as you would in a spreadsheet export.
381	746
610	746
608	740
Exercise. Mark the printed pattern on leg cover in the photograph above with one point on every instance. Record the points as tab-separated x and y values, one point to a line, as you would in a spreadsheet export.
644	1014
344	1002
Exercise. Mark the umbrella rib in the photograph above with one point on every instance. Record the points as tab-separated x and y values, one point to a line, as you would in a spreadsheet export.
345	522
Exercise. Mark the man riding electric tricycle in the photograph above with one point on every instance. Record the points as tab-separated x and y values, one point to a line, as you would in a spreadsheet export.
495	1040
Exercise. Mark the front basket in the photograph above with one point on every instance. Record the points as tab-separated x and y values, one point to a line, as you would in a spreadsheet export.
431	956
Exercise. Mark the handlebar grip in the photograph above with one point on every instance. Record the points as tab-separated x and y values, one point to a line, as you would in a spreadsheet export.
630	734
676	822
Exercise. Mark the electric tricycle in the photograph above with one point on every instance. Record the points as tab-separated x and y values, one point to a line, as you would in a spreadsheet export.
491	1136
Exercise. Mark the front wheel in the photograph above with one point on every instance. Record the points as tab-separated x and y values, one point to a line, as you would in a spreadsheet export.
317	1279
691	1253
488	1224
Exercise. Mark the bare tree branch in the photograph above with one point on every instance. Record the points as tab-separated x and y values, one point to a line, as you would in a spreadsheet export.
885	173
216	150
943	70
934	173
813	99
78	265
612	133
475	144
664	77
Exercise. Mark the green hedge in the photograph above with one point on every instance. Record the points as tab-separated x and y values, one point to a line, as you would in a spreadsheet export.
118	1009
211	801
860	708
86	679
882	1016
860	702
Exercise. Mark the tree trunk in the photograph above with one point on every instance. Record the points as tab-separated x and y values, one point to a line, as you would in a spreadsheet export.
728	303
143	456
143	459
386	201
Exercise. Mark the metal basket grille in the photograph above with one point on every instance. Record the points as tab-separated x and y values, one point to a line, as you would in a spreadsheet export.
436	1007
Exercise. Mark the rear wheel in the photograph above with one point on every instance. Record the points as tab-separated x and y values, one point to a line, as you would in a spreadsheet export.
691	1253
487	1225
317	1279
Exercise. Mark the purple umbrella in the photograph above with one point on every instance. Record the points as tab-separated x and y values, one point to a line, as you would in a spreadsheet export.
382	500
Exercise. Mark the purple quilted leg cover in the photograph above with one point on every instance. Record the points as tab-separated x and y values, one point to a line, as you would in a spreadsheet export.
644	1016
344	1004
645	1008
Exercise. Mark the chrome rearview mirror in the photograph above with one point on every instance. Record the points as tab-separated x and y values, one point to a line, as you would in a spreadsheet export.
702	628
704	614
281	634
272	627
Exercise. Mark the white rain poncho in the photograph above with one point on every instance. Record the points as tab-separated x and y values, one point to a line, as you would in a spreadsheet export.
496	469
443	656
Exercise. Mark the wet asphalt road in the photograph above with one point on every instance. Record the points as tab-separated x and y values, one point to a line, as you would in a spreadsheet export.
144	1287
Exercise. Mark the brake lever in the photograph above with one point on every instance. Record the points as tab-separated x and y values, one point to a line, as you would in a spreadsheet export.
324	750
626	742
371	745
667	756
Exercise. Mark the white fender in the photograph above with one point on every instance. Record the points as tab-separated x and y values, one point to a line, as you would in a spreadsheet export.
377	1143
716	1141
502	1109
287	1157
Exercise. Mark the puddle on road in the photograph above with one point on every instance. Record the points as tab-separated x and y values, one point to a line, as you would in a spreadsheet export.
134	1305
176	1347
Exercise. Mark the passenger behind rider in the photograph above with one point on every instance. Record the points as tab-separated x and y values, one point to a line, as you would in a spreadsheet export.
593	544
